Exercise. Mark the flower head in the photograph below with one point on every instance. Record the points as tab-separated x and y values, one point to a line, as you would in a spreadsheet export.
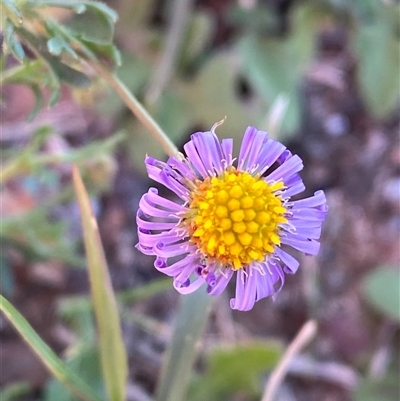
232	217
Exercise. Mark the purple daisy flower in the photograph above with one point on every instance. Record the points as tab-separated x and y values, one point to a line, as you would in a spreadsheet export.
232	217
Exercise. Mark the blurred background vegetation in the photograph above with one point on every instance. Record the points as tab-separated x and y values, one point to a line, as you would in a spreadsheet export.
321	76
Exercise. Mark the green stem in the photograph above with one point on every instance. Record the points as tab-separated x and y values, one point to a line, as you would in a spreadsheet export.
180	355
137	109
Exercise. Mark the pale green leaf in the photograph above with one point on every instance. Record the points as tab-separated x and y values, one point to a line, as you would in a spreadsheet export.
15	391
112	349
82	358
387	389
382	289
378	52
212	96
78	6
200	32
46	355
7	283
182	350
236	369
95	25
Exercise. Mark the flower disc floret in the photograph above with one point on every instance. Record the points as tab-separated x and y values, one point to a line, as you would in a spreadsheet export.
234	218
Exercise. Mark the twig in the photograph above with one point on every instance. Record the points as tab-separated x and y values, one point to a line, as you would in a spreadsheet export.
137	109
305	335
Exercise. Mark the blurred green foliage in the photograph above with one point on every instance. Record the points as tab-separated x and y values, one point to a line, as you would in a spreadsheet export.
47	52
382	290
387	389
205	86
236	370
59	49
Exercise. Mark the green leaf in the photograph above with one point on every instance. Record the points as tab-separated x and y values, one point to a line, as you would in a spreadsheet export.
42	236
182	349
71	305
7	284
32	74
56	45
84	359
14	391
46	355
39	102
12	12
387	389
60	71
275	67
112	349
382	289
68	74
212	96
96	24
200	32
236	369
378	76
78	6
104	50
11	43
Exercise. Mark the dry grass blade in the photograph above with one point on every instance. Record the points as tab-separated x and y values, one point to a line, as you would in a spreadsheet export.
112	349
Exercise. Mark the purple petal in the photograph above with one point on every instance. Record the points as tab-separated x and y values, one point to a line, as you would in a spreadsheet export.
309	214
148	239
182	167
169	181
214	148
269	154
227	148
308	232
201	142
265	280
286	170
316	200
193	286
185	273
153	225
161	264
252	152
195	159
245	295
289	261
166	249
245	147
310	247
222	282
296	188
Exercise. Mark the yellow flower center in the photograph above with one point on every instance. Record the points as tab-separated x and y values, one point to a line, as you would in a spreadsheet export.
234	218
